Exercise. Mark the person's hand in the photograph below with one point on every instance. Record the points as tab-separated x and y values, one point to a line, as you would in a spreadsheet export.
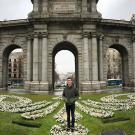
72	100
65	99
76	98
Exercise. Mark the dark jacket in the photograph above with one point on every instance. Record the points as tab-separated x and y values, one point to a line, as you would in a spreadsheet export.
70	94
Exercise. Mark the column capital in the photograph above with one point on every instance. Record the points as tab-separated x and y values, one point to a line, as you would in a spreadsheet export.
86	34
101	37
29	37
35	35
44	35
93	34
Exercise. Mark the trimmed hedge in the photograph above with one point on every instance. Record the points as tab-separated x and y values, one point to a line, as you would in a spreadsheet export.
109	120
27	123
117	132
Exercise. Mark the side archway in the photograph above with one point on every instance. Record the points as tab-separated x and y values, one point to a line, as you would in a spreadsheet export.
124	61
5	57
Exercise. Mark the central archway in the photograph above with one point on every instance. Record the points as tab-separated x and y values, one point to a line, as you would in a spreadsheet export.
70	47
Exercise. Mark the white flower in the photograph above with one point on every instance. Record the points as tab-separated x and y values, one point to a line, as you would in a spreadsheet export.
40	113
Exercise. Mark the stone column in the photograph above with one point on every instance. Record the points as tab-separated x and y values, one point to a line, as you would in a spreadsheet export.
101	58
93	6
44	58
45	6
86	84
44	80
84	6
1	76
101	63
35	6
94	58
86	56
134	59
29	59
35	58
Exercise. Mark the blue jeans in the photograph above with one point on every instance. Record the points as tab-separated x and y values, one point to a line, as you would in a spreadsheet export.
70	108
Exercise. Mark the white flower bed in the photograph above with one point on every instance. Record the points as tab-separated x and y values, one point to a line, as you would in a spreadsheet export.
21	105
131	96
60	114
102	109
113	98
121	104
40	113
107	106
24	105
101	113
12	106
60	130
34	106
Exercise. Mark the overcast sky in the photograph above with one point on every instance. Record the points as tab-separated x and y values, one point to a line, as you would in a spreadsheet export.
116	9
65	61
110	9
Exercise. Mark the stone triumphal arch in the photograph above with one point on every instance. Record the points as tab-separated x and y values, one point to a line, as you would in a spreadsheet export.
73	25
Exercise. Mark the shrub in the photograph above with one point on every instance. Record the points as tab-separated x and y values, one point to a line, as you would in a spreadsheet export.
109	120
27	123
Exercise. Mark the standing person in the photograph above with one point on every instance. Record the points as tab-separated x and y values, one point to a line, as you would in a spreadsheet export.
70	95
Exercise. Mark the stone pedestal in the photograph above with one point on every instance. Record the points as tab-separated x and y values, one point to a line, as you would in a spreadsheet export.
95	85
90	86
44	86
102	84
86	86
3	88
37	86
27	85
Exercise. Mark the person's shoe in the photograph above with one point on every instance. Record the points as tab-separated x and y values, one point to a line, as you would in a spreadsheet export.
68	129
72	129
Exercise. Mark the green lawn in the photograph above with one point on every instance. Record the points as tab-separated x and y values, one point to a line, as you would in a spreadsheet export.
95	125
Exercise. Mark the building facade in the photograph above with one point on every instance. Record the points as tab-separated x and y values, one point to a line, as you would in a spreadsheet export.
15	68
73	25
114	63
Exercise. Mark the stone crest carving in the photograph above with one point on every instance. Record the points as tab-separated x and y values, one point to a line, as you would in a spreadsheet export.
63	6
